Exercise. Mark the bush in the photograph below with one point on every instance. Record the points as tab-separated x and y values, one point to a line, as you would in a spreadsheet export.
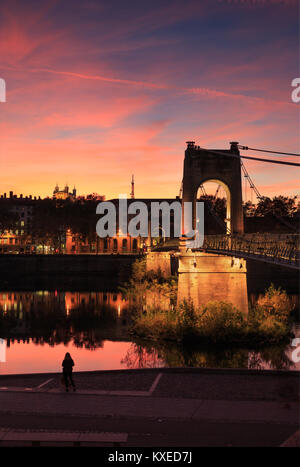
138	270
275	303
187	314
221	322
156	324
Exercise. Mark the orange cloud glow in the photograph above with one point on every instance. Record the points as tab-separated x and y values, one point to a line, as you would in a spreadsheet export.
98	92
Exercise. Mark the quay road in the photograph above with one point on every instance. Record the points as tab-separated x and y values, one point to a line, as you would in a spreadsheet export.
158	407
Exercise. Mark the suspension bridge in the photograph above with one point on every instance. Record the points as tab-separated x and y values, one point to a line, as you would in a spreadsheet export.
226	167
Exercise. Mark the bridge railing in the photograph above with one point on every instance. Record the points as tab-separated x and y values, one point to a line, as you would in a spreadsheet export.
283	248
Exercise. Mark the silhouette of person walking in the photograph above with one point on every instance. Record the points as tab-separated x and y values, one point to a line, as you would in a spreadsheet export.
67	365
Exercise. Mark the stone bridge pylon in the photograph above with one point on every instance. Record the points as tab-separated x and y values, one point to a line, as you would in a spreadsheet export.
205	277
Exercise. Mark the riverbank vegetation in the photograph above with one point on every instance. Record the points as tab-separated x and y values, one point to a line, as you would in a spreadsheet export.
216	322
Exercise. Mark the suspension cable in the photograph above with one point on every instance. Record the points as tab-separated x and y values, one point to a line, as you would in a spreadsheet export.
245	148
228	154
251	183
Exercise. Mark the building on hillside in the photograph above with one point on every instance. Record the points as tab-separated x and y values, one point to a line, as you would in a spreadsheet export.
16	238
65	193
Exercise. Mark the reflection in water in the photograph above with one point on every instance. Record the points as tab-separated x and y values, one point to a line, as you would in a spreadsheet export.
143	355
39	323
86	318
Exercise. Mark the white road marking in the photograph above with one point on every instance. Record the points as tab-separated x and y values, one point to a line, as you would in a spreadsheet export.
43	384
155	383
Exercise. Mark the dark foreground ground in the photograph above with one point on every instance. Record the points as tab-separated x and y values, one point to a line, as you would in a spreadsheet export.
161	407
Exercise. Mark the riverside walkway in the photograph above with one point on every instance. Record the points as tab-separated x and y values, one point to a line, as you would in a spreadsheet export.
154	407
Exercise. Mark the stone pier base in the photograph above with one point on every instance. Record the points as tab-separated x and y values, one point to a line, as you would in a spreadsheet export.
159	261
205	277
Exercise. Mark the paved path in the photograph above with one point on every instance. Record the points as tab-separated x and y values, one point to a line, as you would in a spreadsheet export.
168	382
161	432
153	407
147	407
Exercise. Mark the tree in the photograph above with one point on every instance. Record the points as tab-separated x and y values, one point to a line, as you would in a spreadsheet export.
283	206
95	197
218	205
249	209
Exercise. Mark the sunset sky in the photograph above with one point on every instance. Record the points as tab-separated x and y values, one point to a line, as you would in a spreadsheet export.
100	90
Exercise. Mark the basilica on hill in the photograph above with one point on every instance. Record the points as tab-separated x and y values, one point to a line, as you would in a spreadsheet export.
65	193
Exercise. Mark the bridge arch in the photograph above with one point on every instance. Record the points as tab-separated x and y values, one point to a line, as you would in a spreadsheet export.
228	200
201	166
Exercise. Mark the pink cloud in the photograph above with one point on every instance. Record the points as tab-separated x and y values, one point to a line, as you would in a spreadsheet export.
60	82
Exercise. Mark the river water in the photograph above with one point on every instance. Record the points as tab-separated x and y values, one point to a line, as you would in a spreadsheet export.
39	327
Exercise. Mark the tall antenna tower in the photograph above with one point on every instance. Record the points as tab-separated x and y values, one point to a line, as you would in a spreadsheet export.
132	187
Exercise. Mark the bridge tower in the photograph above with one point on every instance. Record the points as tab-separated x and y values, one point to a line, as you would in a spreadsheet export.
203	276
201	166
